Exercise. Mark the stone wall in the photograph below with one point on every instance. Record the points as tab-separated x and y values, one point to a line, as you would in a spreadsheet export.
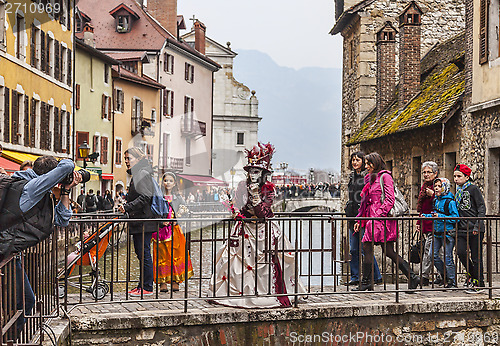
419	323
400	149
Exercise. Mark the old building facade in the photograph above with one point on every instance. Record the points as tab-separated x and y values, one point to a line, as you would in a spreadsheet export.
36	78
481	133
405	127
235	119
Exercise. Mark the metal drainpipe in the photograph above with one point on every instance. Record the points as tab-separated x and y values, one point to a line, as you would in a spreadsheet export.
159	115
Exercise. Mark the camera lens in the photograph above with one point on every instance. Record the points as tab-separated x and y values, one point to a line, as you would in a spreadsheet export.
85	175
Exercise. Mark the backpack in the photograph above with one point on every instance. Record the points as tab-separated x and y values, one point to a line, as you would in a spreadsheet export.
90	201
159	206
400	206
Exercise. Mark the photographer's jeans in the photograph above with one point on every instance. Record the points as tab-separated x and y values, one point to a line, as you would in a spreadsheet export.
142	249
354	251
29	296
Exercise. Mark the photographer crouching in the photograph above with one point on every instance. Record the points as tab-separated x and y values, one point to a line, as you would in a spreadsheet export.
28	212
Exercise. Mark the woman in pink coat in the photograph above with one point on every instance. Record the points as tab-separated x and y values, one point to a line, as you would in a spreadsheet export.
380	232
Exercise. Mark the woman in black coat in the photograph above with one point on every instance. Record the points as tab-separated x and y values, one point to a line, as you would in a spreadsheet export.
138	206
355	186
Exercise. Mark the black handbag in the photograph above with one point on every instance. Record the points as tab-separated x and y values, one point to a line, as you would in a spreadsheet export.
416	252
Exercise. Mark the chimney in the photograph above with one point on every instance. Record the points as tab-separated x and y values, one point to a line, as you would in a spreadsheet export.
165	12
199	36
386	66
409	53
88	35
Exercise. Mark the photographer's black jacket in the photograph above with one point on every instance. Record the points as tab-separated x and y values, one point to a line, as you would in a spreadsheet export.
471	205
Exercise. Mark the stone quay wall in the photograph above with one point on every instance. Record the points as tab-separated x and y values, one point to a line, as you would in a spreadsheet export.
415	323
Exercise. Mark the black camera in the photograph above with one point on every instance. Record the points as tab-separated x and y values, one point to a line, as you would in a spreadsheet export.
69	178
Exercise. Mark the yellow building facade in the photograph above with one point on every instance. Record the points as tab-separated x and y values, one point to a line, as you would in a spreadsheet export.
36	78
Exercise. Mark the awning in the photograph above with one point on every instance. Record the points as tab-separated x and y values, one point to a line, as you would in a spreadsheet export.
18	157
107	176
8	165
21	157
202	180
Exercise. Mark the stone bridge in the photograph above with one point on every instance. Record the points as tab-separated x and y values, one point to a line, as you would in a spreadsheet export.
304	204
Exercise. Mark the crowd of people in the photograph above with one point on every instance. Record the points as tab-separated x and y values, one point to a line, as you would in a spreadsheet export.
372	194
320	190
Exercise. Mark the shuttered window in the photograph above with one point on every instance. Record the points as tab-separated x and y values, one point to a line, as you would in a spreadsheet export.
26	137
57	60
6	116
483	32
104	150
70	60
95	144
33	122
77	96
14	129
119	101
118	153
68	132
43	53
168	103
44	126
33	46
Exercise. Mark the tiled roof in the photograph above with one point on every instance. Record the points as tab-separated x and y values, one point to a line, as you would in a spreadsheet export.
441	89
144	34
129	55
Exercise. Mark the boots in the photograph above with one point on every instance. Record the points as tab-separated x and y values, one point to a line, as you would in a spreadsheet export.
413	279
366	282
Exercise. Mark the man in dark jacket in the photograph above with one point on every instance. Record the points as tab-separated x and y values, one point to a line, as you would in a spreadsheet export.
29	215
138	206
90	202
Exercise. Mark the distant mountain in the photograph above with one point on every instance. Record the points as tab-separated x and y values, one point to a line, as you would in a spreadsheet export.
300	109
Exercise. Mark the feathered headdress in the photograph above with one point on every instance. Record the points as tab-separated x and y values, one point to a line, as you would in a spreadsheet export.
260	156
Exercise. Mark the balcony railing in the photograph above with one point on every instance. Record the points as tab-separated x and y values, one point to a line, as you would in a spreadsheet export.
174	163
192	127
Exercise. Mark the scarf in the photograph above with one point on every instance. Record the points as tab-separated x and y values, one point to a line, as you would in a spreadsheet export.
423	195
460	190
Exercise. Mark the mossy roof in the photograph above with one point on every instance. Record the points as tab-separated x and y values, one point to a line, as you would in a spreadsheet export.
442	87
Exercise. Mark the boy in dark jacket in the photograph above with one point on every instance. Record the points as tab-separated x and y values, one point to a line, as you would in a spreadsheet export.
444	206
470	232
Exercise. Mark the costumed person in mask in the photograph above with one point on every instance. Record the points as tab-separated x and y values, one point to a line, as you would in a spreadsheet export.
244	265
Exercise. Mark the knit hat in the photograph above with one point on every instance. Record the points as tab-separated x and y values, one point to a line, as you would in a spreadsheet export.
464	169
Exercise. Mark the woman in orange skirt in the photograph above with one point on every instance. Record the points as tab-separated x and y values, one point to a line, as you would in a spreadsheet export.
169	243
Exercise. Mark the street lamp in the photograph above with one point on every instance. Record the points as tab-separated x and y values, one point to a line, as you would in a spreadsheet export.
84	150
232	171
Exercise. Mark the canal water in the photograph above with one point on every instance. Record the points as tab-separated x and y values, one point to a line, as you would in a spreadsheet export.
318	260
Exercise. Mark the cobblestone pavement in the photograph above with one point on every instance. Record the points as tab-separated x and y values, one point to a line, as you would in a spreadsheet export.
339	299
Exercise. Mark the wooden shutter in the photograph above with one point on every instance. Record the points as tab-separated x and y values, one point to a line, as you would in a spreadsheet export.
26	139
171	103
6	122
68	132
109	108
104	150
15	118
483	32
186	71
122	101
165	62
70	60
47	53
118	153
43	126
32	122
43	55
134	117
57	62
95	144
172	64
165	104
115	99
142	113
103	106
33	46
57	130
192	73
77	96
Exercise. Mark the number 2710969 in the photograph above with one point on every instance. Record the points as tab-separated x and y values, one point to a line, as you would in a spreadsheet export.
33	7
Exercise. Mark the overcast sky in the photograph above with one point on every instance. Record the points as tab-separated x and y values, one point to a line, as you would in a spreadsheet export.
293	32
